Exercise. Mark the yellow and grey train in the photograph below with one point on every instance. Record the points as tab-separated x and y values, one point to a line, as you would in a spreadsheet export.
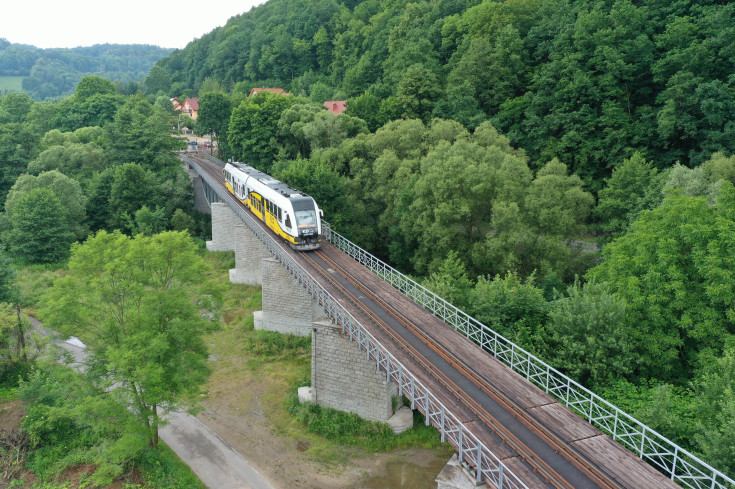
291	214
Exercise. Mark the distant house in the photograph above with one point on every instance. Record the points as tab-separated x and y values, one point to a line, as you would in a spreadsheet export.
175	102
256	91
190	107
335	106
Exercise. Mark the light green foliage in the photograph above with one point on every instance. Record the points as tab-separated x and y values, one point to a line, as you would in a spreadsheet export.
291	129
71	422
514	307
715	411
78	161
588	335
450	281
557	203
536	230
674	270
150	222
37	234
327	130
719	167
71	215
140	306
624	194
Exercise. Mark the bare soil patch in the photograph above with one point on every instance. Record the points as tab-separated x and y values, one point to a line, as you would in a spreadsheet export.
246	407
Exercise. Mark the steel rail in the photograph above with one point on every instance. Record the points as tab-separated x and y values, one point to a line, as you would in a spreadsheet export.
546	471
675	462
668	458
488	467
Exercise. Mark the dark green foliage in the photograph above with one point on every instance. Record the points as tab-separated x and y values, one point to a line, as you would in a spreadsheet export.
8	289
51	73
141	133
587	82
132	187
214	118
37	234
330	190
254	126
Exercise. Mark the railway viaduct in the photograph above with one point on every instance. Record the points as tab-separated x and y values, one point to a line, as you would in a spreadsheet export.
515	421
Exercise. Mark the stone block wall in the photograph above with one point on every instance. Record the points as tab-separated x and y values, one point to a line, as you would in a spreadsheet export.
287	307
343	378
249	252
223	223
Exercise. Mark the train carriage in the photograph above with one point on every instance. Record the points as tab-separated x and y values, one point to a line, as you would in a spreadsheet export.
289	213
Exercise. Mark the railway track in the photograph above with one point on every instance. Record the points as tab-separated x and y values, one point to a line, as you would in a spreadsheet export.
596	478
550	450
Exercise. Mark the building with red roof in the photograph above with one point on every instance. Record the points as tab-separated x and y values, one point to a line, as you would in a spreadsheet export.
335	106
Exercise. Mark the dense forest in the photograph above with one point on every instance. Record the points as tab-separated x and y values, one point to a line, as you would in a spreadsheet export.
587	81
53	73
562	170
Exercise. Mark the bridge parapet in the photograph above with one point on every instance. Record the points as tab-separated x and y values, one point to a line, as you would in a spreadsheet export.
485	465
677	463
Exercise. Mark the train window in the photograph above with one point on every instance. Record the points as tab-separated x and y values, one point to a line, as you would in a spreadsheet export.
278	209
288	221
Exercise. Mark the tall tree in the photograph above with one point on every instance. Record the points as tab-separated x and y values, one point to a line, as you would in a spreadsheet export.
37	234
675	271
140	306
213	118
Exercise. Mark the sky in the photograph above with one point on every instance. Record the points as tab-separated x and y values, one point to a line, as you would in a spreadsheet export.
72	23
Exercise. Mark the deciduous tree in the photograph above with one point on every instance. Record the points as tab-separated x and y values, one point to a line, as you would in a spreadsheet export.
141	307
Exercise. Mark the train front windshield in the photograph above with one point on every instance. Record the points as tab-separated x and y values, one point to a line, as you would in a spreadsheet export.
305	212
306	218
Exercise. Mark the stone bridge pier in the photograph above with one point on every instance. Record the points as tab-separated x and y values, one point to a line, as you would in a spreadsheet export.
342	376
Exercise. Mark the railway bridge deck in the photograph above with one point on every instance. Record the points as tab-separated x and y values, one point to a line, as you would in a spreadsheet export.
536	440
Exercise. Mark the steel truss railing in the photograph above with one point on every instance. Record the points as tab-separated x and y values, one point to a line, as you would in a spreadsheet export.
485	465
673	461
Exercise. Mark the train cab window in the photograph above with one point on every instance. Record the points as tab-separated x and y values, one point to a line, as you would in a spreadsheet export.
288	221
278	209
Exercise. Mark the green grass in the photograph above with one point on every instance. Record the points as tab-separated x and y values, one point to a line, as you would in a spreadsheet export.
163	469
11	83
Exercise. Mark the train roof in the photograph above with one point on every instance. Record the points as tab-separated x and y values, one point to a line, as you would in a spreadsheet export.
270	182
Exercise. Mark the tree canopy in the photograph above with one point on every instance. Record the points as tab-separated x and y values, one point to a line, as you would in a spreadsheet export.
140	306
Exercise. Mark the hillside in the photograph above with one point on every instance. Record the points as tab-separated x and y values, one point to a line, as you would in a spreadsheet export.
587	81
52	73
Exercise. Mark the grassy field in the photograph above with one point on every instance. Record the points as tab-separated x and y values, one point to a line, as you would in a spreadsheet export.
12	83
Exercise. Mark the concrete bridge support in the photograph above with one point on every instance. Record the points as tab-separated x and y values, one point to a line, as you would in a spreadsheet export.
343	378
249	252
223	223
454	476
287	307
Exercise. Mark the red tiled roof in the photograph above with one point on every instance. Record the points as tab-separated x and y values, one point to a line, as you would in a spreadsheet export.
335	106
193	103
256	91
